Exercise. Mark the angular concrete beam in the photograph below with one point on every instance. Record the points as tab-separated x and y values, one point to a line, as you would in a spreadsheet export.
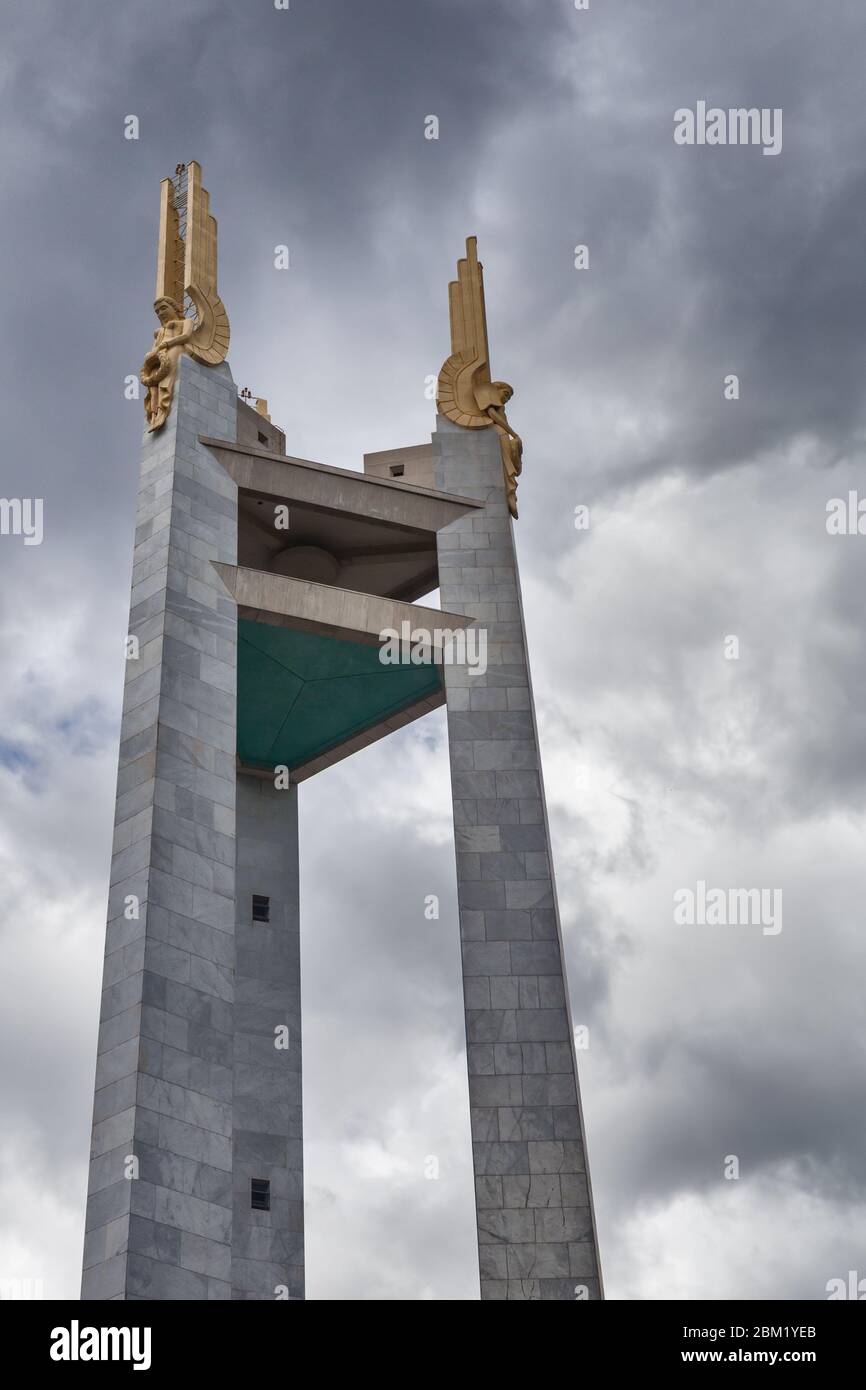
323	608
300	481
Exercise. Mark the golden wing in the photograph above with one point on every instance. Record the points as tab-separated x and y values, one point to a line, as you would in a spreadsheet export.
210	340
461	394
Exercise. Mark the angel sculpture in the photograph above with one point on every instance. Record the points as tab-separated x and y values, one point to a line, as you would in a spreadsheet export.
186	264
466	394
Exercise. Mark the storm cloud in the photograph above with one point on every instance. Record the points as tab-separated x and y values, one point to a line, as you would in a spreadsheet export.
666	760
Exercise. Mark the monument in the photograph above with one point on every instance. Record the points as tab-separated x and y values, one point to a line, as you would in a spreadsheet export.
263	586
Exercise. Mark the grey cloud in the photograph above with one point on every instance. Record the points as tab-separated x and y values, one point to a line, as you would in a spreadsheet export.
707	518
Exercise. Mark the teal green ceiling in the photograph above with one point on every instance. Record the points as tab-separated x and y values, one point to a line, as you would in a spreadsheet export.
301	694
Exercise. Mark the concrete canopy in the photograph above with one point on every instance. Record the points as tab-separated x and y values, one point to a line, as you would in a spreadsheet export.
303	697
359	531
311	688
315	594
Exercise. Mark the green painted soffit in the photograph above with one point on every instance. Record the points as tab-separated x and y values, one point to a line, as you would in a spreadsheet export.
300	693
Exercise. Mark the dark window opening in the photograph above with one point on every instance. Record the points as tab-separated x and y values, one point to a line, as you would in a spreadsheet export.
260	1194
397	470
261	908
263	438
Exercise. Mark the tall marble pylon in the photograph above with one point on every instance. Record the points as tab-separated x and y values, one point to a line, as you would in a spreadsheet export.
159	1209
271	601
536	1229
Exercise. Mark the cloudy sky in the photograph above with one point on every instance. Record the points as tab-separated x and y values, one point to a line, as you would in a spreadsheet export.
666	762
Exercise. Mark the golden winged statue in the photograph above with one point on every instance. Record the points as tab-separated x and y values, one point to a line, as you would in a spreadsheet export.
465	393
186	270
